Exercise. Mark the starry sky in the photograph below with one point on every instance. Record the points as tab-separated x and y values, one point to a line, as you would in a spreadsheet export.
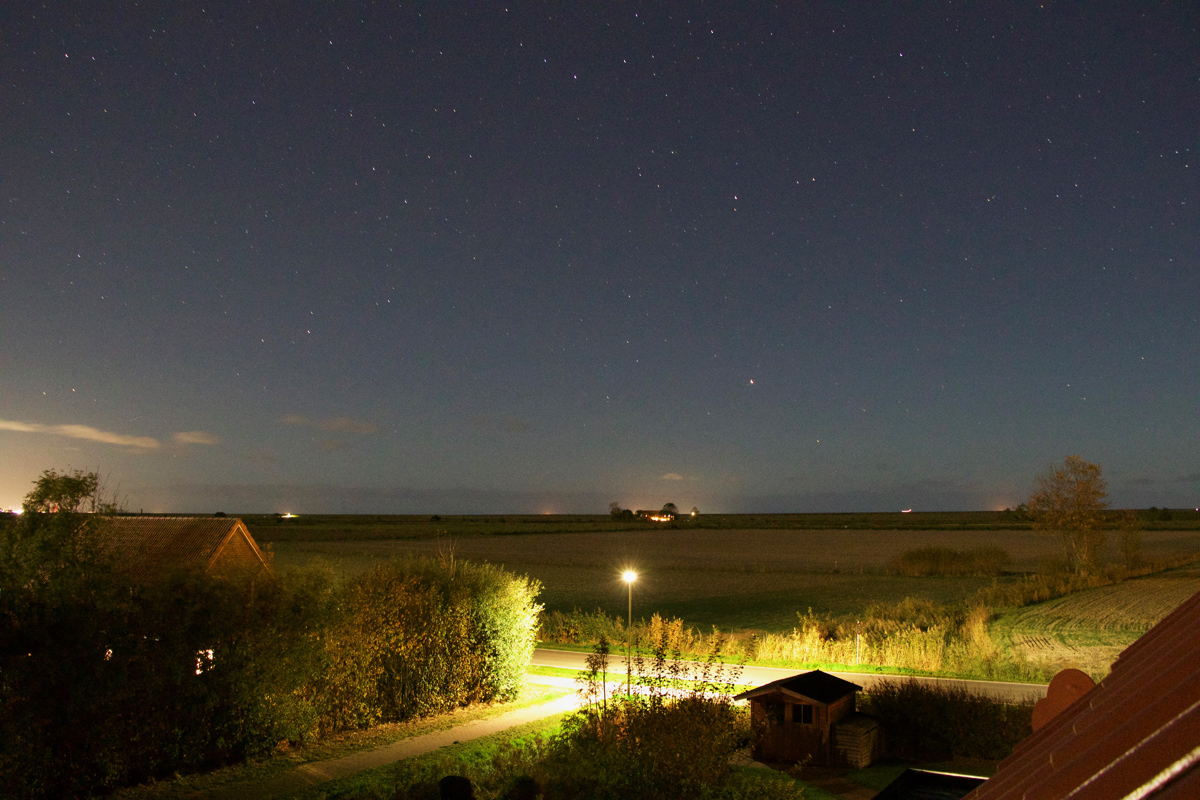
468	257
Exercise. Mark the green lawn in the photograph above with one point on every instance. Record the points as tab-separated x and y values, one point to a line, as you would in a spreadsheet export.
381	781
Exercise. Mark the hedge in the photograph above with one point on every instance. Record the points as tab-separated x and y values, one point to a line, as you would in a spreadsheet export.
104	683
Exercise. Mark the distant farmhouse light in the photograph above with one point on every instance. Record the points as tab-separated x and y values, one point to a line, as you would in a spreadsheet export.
204	661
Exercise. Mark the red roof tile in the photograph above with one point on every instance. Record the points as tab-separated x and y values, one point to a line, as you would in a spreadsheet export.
150	548
1135	735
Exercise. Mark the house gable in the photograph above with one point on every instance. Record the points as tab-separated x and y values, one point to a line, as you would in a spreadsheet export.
151	548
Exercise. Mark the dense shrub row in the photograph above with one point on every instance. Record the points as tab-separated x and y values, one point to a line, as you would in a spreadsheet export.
946	561
935	722
105	682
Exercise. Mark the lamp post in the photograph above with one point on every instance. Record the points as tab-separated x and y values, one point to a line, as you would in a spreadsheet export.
629	576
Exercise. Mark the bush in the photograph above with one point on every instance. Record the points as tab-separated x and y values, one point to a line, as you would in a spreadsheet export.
416	637
921	721
671	738
945	561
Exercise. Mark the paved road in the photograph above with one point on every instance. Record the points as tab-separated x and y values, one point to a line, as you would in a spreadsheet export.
756	676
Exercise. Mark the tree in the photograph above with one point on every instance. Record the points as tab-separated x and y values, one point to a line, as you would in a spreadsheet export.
616	512
1070	501
54	541
72	492
670	509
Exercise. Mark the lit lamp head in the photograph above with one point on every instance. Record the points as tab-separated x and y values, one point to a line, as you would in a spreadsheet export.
629	576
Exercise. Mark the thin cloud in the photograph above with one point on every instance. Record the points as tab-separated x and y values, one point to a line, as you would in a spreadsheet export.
336	424
671	476
494	424
82	432
348	425
196	437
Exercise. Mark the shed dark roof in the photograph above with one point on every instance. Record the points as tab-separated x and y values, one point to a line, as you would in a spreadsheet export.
1136	734
815	685
150	548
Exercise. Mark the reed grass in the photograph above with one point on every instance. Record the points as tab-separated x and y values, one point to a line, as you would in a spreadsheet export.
928	561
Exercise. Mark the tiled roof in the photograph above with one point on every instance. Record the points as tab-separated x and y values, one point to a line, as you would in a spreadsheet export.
1135	735
149	548
923	784
816	685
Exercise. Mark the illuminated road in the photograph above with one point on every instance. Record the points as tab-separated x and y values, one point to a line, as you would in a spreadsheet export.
756	676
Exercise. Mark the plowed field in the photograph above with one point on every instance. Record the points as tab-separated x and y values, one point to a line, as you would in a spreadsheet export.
1089	629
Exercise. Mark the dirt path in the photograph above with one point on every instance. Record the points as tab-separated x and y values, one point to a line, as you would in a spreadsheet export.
321	771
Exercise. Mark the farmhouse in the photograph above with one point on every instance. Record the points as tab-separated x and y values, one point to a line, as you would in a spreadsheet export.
811	715
150	548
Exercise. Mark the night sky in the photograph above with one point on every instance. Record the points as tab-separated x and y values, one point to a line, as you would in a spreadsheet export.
463	258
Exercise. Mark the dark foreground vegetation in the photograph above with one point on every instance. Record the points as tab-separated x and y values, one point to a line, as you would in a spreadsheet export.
931	722
671	737
674	735
106	682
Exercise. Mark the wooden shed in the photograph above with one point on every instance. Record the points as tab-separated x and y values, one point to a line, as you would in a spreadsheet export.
810	716
150	548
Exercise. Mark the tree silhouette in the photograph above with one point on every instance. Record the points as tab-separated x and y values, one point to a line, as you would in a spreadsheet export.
1070	501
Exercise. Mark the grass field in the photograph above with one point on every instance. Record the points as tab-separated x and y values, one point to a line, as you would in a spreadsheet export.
328	527
1089	629
733	579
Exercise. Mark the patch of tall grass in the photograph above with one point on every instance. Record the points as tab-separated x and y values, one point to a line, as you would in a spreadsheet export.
914	635
1040	587
946	561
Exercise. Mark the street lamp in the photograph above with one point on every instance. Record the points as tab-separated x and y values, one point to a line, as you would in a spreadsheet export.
629	576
